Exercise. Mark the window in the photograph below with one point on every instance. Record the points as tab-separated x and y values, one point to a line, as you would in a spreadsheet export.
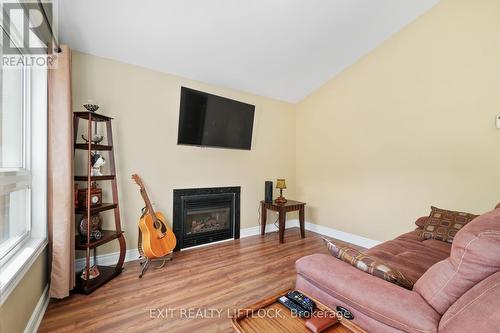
15	168
23	171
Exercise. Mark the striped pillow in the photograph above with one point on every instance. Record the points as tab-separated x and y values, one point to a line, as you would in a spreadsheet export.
368	264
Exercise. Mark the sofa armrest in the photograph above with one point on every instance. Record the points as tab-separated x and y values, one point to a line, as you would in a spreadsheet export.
381	300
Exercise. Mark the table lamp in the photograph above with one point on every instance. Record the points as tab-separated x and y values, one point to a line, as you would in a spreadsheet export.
281	185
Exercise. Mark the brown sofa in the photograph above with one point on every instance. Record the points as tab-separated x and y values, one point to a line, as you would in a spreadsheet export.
457	288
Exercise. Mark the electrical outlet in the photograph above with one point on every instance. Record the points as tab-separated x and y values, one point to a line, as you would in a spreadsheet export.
498	121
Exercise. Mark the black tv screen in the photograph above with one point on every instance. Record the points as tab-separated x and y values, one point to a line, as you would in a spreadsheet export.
214	121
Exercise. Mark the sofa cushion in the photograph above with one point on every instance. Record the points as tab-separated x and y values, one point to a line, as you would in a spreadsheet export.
474	256
444	224
410	255
477	310
368	264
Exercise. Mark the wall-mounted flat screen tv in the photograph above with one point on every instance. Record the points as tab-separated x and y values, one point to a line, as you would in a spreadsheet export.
214	121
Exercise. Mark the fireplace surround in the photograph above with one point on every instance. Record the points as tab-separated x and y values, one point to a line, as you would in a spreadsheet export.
206	215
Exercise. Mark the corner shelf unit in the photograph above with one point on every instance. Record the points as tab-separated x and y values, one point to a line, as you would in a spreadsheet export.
85	243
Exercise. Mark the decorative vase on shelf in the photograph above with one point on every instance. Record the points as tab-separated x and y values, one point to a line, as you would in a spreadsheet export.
95	227
91	107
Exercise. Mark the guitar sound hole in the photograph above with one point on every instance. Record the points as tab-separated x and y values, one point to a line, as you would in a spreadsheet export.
161	225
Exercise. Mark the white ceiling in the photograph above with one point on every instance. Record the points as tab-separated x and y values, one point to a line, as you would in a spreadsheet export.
283	49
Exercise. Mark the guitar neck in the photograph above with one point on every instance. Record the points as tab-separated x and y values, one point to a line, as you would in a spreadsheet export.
149	206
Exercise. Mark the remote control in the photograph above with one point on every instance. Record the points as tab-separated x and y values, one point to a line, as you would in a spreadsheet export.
294	307
301	300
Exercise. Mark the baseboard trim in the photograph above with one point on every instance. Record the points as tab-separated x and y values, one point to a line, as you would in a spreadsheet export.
270	227
342	235
108	259
38	312
320	229
133	254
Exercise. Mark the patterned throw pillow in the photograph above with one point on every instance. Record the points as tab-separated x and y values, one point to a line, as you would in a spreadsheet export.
443	224
368	264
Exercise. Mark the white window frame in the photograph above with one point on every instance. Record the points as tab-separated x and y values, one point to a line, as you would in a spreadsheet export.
33	174
20	178
20	259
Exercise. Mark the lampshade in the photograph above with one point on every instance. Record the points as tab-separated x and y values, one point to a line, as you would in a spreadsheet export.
280	183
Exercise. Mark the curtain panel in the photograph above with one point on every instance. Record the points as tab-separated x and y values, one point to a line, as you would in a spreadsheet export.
61	214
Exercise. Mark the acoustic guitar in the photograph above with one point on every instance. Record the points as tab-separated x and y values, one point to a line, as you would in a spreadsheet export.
158	239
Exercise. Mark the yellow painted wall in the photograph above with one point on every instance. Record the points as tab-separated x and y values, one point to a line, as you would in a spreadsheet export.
411	124
17	309
145	105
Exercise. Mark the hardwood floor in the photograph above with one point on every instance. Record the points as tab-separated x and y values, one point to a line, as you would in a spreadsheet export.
221	277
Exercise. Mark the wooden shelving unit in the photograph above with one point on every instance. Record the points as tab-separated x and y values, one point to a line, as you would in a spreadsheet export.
84	146
94	178
98	209
107	236
85	243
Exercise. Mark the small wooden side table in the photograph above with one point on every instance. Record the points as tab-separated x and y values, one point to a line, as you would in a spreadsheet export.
282	209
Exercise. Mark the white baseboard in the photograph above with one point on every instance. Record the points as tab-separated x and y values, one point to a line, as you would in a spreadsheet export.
341	235
38	312
133	254
270	227
326	231
108	259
